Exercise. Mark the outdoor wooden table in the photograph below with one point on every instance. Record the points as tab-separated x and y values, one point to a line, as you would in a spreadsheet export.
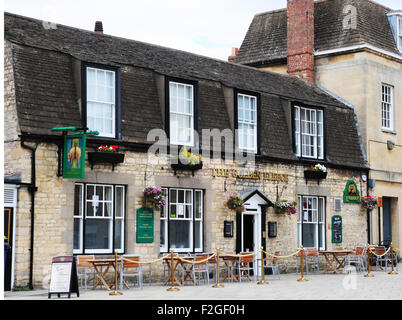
172	269
98	263
229	262
336	256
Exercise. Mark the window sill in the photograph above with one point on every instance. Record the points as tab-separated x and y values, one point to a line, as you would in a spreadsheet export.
388	131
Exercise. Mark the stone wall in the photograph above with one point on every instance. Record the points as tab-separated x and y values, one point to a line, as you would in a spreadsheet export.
54	206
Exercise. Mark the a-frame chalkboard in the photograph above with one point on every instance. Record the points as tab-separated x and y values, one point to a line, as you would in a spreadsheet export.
63	279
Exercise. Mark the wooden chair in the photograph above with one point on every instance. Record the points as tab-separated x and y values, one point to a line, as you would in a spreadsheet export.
130	267
384	260
85	268
244	265
201	267
313	259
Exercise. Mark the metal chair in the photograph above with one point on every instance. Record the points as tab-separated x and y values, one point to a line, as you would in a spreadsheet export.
312	259
201	267
357	259
213	267
130	267
244	265
85	269
384	260
272	263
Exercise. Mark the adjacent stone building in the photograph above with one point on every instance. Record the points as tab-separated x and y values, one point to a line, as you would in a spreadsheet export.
59	76
353	50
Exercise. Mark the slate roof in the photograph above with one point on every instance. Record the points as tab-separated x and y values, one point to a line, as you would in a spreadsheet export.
47	89
265	41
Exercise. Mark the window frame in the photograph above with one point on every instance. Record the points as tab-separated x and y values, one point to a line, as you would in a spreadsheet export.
194	123
399	32
257	139
298	105
391	108
117	103
167	246
83	219
320	229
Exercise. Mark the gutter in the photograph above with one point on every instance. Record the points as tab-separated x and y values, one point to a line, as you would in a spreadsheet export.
32	188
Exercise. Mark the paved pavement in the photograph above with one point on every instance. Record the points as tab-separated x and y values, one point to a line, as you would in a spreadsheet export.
319	287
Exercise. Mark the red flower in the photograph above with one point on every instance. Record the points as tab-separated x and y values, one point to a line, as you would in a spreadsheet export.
103	147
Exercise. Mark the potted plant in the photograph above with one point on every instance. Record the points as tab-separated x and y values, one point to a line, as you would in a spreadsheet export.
318	171
106	154
285	206
153	196
369	202
188	161
235	202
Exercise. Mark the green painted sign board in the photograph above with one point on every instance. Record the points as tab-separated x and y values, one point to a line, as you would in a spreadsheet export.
336	229
145	225
74	156
351	193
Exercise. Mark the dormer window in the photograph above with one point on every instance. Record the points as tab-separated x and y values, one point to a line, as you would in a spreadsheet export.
247	122
101	102
395	20
309	132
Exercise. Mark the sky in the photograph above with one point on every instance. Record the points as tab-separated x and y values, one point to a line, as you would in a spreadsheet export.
207	27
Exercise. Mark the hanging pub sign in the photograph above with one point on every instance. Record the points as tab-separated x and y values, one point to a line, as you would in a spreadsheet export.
63	278
145	225
351	193
336	229
74	156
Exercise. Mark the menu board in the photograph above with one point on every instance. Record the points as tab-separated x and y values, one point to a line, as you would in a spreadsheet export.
336	229
63	279
145	225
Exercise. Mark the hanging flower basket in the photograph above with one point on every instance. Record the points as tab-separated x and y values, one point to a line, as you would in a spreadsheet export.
369	202
235	202
154	197
285	206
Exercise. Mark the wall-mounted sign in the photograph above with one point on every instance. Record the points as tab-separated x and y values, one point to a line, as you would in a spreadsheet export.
336	229
74	156
272	229
63	278
145	225
351	193
228	229
254	175
379	202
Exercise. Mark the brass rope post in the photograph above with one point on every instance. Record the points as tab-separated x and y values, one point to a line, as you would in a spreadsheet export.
368	275
302	279
115	292
392	260
262	268
217	285
172	288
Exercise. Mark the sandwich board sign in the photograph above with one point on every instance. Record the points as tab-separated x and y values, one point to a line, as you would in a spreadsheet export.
63	278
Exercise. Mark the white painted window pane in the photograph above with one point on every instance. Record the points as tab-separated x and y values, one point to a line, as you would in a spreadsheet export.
97	234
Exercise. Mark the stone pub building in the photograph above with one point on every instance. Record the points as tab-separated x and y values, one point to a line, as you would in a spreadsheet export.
59	76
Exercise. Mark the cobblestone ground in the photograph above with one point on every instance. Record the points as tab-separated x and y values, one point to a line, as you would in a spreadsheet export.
319	287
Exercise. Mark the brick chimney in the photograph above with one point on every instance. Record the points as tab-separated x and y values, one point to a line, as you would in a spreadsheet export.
98	27
300	39
234	54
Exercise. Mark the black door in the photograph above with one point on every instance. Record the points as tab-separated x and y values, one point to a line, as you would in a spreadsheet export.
8	232
386	220
248	232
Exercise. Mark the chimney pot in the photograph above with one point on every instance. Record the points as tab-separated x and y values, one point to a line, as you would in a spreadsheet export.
98	27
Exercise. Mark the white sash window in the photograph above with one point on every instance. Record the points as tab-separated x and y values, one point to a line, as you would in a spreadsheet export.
387	107
247	122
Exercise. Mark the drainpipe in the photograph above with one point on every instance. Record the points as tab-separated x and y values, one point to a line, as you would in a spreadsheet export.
32	189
